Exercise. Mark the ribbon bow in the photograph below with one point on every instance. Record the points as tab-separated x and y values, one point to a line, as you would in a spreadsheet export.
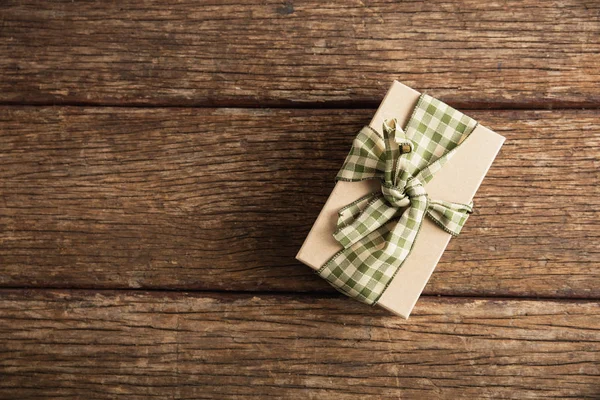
377	231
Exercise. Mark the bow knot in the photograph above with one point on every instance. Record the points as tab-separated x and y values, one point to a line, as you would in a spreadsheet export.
401	196
377	231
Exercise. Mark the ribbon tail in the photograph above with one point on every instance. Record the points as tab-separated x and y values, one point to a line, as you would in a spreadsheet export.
355	223
449	216
401	238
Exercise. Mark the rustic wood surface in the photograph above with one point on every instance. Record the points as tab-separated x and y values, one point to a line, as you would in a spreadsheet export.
151	203
221	199
140	345
499	54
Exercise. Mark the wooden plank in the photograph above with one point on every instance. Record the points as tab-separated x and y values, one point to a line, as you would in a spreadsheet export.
177	345
468	52
221	199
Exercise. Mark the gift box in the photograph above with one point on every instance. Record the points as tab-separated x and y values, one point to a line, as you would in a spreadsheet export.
404	190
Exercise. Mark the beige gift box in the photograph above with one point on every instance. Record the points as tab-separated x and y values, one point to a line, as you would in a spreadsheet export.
457	181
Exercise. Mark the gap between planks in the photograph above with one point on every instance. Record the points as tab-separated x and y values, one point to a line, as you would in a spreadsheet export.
280	293
328	105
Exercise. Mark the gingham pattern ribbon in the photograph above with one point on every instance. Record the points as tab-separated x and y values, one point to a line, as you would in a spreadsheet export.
377	231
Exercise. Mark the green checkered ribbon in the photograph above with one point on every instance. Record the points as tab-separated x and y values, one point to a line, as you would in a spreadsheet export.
377	231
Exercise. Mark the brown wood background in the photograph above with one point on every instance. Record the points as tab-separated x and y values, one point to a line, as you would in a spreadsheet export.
162	162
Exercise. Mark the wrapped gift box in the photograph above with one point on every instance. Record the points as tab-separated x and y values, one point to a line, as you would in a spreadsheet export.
457	181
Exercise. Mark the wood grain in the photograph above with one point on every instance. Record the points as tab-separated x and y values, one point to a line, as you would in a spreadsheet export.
222	199
469	53
177	345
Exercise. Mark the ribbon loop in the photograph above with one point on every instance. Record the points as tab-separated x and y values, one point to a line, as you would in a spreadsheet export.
377	232
392	128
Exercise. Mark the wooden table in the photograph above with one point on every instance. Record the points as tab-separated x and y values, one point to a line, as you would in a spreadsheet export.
161	164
